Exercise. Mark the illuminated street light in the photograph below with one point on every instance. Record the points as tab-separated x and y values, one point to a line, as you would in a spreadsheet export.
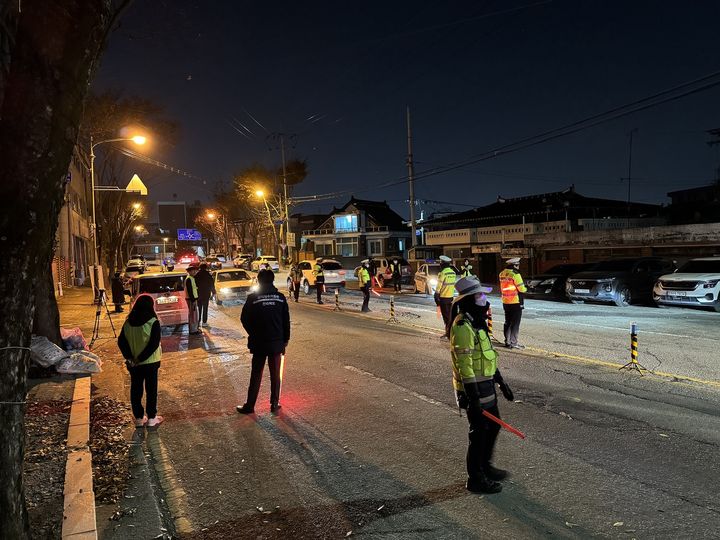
137	139
137	206
210	215
138	228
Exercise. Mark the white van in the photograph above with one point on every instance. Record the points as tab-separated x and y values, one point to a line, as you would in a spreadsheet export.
168	291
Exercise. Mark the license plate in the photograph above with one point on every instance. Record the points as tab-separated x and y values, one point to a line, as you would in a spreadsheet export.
167	300
679	293
582	291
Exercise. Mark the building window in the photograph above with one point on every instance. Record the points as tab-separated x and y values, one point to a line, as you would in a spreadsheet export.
322	250
375	247
347	223
346	247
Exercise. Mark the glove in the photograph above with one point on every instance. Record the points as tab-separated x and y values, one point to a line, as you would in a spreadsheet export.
504	388
462	399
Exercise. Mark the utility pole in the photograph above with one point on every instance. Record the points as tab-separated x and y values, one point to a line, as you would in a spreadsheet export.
715	142
411	178
285	195
629	176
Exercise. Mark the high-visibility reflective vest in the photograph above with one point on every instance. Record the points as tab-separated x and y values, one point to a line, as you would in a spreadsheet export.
466	271
138	337
473	358
363	276
318	271
446	283
193	286
511	284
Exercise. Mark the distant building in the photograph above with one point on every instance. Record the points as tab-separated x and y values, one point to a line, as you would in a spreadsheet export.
172	215
491	233
358	229
695	205
73	252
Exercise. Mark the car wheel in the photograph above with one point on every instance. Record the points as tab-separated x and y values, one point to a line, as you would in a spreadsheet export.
716	307
306	287
623	298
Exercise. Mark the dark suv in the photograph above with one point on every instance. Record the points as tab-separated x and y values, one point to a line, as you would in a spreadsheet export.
620	281
550	285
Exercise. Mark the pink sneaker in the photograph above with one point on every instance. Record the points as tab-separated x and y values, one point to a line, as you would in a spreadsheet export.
140	422
155	422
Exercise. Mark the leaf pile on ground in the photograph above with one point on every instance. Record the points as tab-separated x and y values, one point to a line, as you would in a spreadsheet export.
110	450
44	466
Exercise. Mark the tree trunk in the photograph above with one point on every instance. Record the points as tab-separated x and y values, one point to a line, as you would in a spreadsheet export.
51	59
46	321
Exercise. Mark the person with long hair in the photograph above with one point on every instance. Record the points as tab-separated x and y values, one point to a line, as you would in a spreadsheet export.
475	373
139	343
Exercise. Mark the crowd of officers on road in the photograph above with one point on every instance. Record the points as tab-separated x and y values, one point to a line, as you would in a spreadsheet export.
460	297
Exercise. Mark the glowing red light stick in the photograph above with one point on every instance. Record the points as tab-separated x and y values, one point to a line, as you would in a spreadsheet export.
503	424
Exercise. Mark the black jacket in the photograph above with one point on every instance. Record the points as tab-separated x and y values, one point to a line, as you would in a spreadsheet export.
205	284
135	319
266	318
118	290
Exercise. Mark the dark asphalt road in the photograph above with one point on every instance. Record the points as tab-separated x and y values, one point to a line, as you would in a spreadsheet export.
369	442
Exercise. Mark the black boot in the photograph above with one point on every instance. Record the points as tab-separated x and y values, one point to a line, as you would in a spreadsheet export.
494	473
483	485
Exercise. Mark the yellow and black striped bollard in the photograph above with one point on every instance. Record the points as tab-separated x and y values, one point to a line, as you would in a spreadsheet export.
392	318
337	300
633	363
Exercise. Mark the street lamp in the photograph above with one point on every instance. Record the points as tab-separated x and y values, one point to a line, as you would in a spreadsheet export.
137	139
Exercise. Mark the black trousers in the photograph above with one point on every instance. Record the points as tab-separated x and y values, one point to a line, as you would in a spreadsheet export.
446	311
146	376
481	441
319	287
203	309
258	364
296	290
366	296
511	328
397	282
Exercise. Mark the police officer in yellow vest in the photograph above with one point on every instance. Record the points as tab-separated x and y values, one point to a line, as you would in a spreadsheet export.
466	269
365	284
475	373
445	291
512	289
139	343
191	297
319	279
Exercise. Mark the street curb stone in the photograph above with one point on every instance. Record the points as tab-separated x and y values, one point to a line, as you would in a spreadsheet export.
79	505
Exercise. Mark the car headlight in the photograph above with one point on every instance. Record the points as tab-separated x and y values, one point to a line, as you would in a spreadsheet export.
225	290
254	288
433	282
710	284
548	282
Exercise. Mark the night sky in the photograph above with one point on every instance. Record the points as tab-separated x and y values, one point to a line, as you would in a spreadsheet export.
476	75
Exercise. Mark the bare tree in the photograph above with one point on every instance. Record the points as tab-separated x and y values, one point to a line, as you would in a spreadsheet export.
48	52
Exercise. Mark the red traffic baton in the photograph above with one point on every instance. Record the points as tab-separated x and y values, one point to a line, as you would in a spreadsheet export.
503	424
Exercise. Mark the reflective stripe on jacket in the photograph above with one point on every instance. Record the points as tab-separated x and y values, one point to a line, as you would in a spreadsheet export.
511	283
138	337
474	361
466	271
446	283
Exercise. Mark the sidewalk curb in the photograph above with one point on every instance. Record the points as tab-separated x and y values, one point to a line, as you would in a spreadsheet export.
79	520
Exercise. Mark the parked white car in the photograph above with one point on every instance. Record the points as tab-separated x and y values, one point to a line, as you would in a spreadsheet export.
696	283
168	291
233	284
383	274
333	272
268	260
426	278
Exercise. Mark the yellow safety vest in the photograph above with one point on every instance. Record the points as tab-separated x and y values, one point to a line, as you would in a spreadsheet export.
511	283
138	337
473	356
193	284
318	270
363	276
446	283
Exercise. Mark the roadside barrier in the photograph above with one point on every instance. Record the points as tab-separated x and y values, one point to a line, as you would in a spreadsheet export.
337	300
392	318
633	363
489	320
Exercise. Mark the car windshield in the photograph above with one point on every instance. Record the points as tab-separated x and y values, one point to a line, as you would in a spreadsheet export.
161	284
701	267
332	266
433	268
618	265
402	262
232	276
133	269
269	259
568	268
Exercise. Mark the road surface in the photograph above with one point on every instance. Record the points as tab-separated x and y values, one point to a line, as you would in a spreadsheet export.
369	441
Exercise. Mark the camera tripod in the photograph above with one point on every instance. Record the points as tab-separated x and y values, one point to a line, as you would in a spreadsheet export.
101	301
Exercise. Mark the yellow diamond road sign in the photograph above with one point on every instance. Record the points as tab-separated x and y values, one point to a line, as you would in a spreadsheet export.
136	185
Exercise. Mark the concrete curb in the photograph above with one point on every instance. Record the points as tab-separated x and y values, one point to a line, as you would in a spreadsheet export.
79	507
